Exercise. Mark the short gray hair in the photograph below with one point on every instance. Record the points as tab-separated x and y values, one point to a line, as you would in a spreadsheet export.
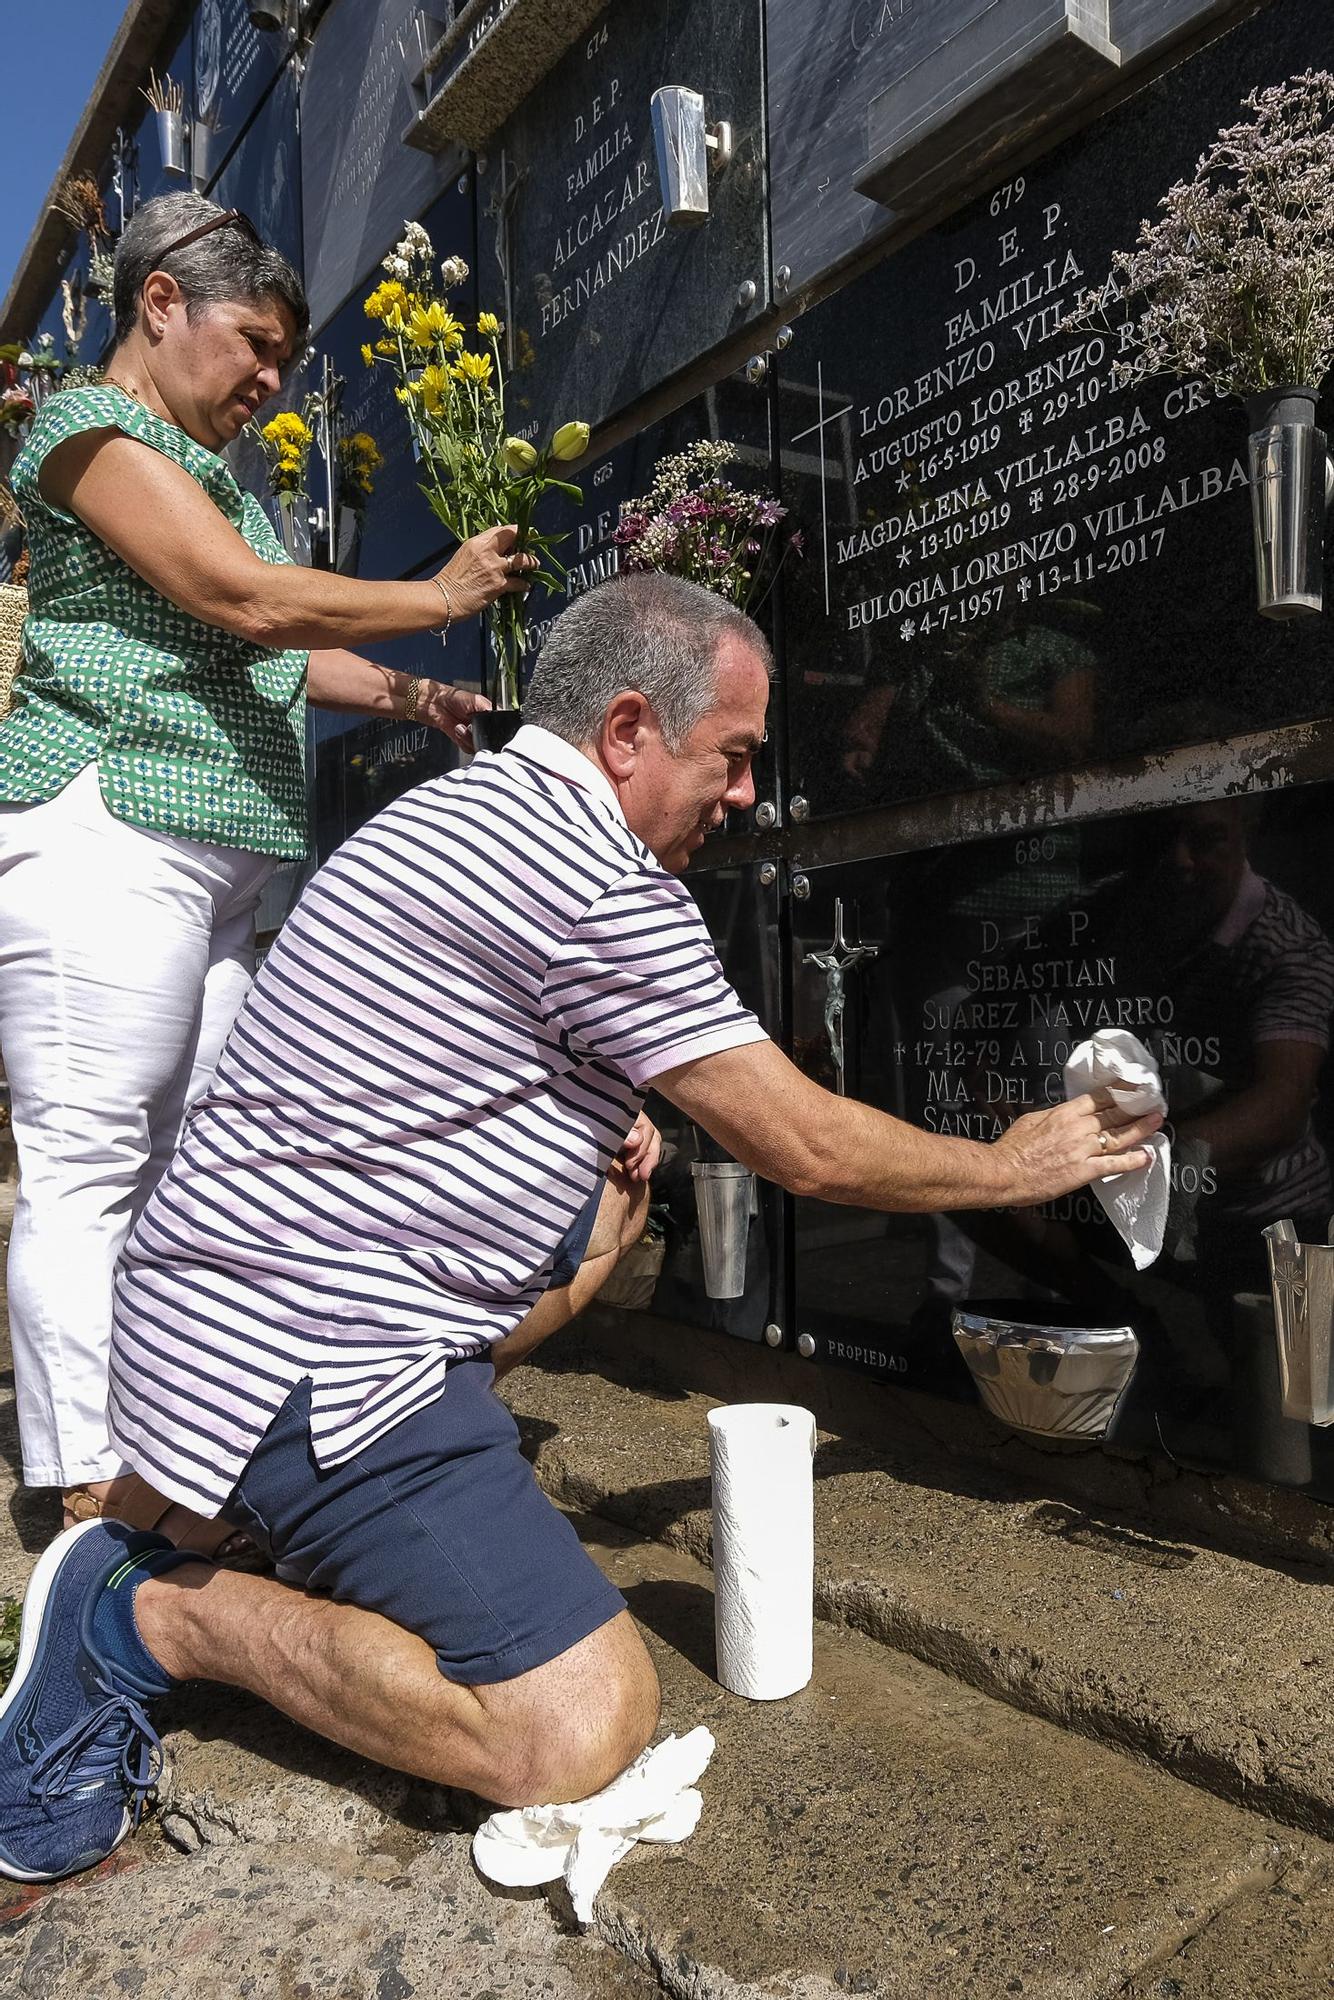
225	266
657	634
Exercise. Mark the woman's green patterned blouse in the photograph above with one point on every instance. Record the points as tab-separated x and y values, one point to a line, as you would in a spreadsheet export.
194	732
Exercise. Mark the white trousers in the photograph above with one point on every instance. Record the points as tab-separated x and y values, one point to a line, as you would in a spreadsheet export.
124	956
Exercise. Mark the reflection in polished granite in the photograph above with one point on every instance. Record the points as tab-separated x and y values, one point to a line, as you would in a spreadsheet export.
1205	931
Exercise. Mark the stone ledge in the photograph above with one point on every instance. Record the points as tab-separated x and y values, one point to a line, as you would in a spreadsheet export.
1219	1669
526	39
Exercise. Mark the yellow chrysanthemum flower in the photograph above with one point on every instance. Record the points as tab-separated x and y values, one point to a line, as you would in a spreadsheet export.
431	323
366	354
489	326
386	298
386	347
287	427
473	368
433	388
403	395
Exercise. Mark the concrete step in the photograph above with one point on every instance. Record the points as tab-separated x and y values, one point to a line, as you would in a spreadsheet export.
889	1831
892	1831
1218	1668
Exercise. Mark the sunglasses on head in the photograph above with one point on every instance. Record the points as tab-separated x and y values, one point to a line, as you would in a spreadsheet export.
230	217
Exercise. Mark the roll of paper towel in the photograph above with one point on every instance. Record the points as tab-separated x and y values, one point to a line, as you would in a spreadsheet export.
760	1455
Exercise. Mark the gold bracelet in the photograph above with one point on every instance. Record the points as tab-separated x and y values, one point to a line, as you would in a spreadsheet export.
410	699
443	588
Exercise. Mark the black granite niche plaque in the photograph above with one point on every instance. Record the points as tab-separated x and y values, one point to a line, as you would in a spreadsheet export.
1206	931
1016	566
233	67
604	300
263	176
361	180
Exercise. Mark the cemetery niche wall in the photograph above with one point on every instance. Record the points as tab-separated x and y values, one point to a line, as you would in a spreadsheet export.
1016	573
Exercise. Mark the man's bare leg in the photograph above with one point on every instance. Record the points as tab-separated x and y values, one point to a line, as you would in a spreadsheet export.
559	1732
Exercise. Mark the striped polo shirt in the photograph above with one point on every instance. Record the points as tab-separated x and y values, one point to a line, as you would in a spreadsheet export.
439	1059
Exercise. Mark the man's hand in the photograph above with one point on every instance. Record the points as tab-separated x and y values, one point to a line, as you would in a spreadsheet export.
642	1150
1050	1153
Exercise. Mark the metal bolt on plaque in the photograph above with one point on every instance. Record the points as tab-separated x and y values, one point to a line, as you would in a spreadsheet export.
801	888
766	814
757	370
805	1345
799	808
745	292
768	874
773	1335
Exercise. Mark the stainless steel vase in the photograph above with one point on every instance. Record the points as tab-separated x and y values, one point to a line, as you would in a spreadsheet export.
722	1203
1301	1278
1287	463
1048	1381
171	141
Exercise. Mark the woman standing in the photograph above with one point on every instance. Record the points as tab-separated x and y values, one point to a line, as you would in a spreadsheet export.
151	773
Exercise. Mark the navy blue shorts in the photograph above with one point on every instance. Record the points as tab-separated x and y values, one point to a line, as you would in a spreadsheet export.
440	1526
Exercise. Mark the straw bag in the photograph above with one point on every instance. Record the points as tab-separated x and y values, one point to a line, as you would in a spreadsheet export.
13	611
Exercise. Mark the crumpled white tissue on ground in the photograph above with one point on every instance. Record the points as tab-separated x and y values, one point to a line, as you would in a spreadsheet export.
653	1799
1136	1202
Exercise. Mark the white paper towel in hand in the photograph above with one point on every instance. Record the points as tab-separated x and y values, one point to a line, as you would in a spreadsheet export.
653	1799
1136	1202
763	1546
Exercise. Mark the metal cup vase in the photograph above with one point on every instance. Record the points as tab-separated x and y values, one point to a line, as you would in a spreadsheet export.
493	728
1288	462
171	141
1302	1282
293	517
1048	1381
722	1203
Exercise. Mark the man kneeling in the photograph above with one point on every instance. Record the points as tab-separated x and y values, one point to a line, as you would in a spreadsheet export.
381	1196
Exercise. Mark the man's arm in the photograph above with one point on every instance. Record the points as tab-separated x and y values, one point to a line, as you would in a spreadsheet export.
772	1118
619	1226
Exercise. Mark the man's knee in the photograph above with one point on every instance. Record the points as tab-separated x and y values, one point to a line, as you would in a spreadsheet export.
567	1729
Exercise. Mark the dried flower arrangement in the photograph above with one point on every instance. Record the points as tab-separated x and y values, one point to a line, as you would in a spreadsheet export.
694	523
79	200
165	94
476	474
1234	283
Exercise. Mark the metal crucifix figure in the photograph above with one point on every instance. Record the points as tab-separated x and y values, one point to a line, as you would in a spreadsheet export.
835	962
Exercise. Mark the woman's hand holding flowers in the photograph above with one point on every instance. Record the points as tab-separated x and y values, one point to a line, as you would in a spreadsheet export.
486	566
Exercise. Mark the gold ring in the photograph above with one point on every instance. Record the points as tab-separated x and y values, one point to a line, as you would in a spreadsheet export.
1103	1142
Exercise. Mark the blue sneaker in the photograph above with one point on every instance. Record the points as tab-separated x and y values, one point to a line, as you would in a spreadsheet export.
78	1754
